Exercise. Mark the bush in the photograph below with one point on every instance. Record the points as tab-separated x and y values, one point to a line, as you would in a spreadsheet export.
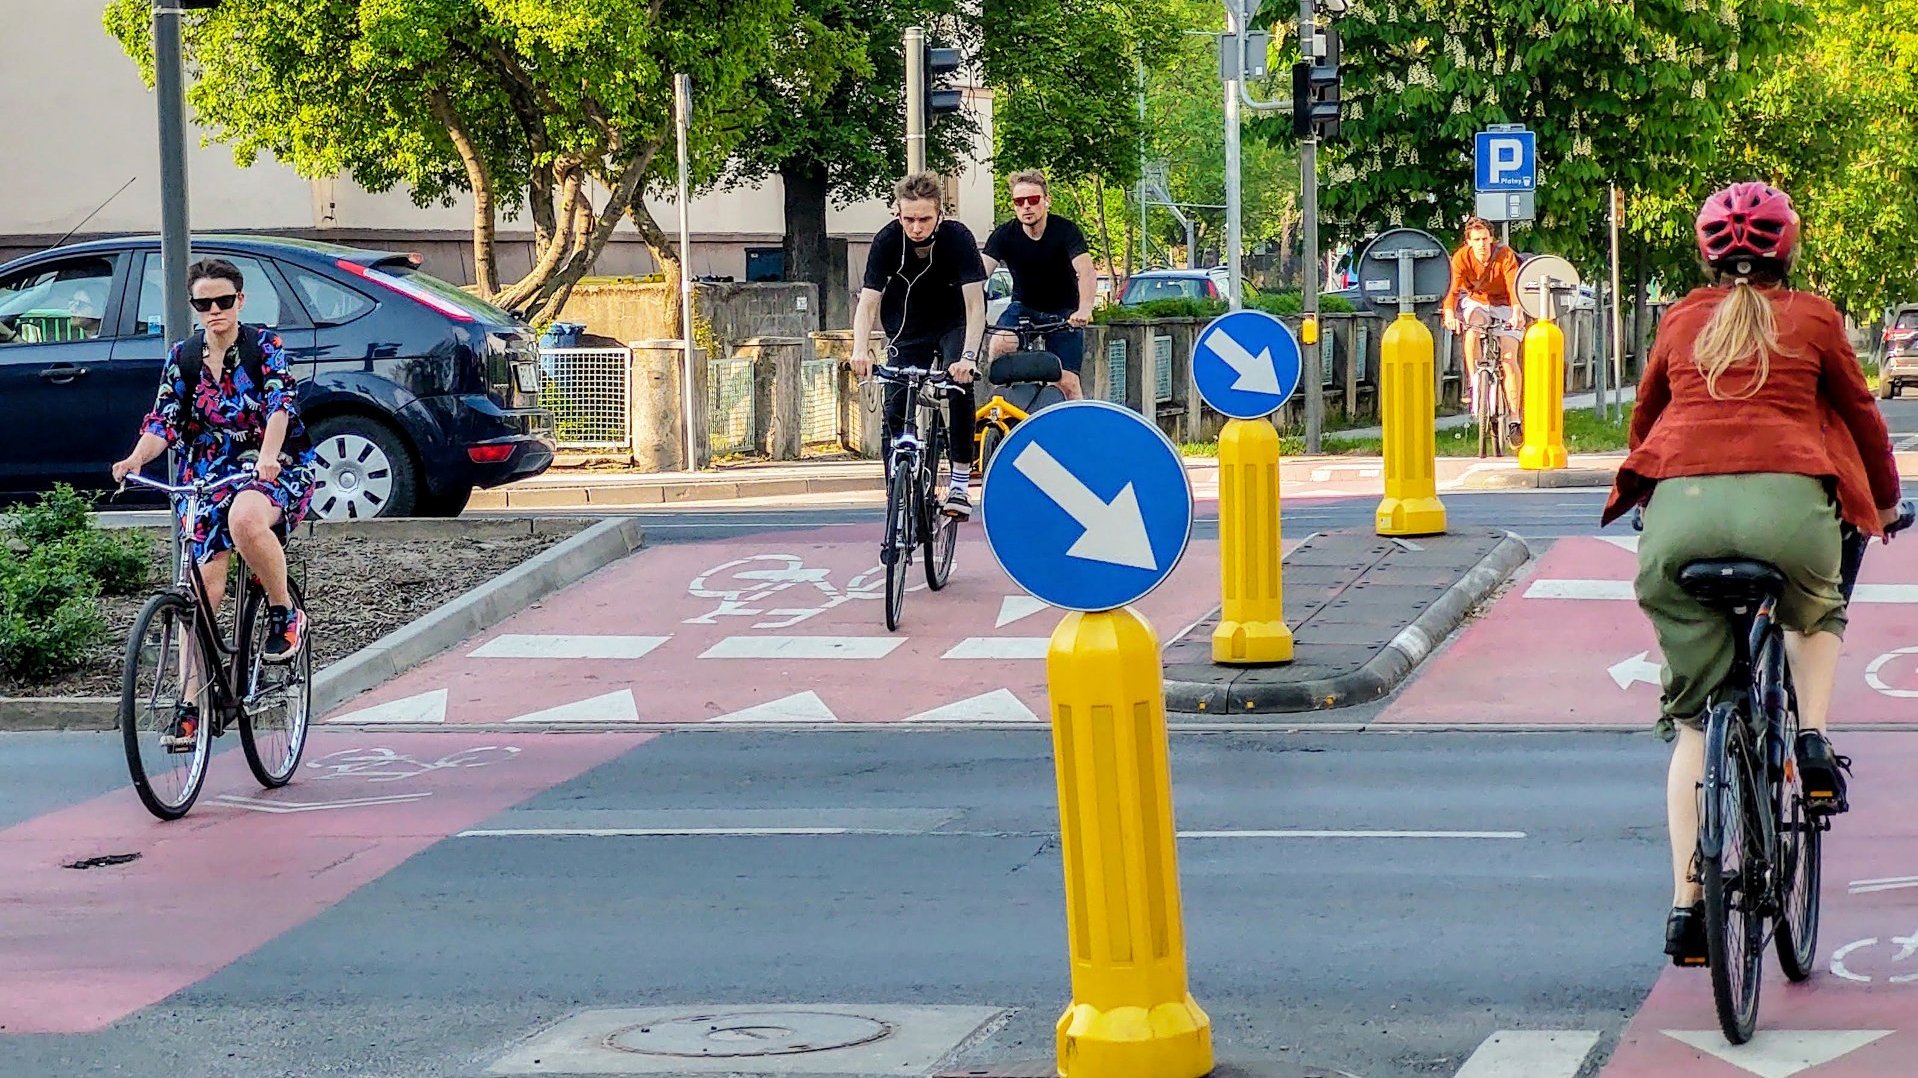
49	613
1161	308
59	513
120	563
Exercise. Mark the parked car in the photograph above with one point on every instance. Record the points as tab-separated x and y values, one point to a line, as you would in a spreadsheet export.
999	293
1900	367
414	391
1149	285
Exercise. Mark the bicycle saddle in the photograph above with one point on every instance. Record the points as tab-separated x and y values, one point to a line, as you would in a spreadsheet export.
1731	581
1015	367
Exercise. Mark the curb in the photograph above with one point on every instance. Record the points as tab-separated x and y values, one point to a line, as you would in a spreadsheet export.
626	495
424	637
1518	479
1383	672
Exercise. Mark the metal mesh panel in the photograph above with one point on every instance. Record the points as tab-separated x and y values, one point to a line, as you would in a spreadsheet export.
819	401
1162	368
586	390
1116	370
730	397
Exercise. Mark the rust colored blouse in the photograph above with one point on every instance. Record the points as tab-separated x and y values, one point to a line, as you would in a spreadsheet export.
1814	415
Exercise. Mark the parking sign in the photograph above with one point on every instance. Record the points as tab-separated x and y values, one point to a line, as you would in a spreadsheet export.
1506	160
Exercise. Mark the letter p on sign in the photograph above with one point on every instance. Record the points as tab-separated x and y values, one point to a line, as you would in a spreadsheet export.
1508	157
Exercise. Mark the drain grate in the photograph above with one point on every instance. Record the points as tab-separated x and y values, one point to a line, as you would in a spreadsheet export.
748	1034
104	861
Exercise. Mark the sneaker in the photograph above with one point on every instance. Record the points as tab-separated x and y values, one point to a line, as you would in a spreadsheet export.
183	731
1823	773
958	504
1685	935
285	633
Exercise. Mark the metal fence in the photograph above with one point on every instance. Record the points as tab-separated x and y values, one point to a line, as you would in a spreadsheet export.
730	399
1116	370
819	401
588	390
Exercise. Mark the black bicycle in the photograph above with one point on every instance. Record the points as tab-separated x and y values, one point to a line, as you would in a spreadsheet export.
1026	380
184	683
1488	386
914	517
1759	832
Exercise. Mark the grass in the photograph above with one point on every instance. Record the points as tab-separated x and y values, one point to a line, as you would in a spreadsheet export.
1584	433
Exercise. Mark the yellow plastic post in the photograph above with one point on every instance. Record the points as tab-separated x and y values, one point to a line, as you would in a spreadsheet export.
1131	1014
1252	624
1544	446
1411	505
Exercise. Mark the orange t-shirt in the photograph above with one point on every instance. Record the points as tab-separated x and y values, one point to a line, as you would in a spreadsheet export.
1814	415
1490	284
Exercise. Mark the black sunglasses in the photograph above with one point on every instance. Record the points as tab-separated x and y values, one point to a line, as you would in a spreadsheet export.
205	304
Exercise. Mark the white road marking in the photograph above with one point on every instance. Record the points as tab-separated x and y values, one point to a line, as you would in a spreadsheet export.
799	707
426	707
1878	683
1779	1053
559	646
999	705
1889	883
1531	1053
999	647
1014	607
255	804
1637	668
803	647
610	707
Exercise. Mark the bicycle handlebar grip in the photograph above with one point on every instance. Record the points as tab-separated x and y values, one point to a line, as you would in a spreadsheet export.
1907	514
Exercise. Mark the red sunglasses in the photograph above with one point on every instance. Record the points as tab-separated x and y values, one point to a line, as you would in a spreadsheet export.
1028	200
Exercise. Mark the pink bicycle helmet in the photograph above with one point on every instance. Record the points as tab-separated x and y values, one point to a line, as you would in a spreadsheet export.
1749	221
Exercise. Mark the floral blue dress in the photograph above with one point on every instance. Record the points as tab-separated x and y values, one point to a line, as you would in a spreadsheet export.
226	420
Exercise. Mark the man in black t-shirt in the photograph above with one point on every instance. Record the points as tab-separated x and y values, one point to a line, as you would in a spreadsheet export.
926	283
1053	279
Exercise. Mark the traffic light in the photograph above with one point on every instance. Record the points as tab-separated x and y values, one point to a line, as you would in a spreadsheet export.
941	63
1315	88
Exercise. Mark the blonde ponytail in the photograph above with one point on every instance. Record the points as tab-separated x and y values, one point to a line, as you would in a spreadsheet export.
1742	330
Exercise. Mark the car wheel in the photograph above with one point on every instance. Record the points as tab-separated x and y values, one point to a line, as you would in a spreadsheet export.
362	470
1887	389
450	503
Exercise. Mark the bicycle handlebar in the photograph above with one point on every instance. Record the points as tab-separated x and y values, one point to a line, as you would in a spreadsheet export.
1034	328
909	375
201	487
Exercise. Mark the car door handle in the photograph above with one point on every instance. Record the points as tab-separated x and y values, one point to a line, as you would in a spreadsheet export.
62	374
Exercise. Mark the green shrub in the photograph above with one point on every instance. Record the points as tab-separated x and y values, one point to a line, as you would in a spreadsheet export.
49	613
59	513
119	562
1161	308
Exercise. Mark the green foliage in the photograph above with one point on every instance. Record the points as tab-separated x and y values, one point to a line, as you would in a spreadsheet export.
61	512
54	563
1161	308
119	562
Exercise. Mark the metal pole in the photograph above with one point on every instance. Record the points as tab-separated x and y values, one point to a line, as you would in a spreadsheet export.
1618	306
169	84
1309	286
915	100
682	120
1235	287
1139	74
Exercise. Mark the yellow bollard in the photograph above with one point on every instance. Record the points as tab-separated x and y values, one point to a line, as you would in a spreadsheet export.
1411	505
1131	1014
1252	625
1544	446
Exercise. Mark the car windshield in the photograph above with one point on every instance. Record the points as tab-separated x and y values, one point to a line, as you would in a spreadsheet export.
453	294
1144	289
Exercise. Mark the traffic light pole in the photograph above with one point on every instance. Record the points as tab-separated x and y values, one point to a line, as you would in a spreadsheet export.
169	84
1235	287
915	100
1309	279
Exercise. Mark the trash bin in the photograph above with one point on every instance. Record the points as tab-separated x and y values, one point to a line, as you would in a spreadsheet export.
562	335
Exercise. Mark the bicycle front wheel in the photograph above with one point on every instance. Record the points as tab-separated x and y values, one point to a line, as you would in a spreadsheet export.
1482	404
278	697
166	673
1734	888
897	551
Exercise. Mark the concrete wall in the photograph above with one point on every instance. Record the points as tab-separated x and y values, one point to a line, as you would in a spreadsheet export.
624	312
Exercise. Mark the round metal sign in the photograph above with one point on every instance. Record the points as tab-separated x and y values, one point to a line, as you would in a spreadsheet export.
1536	274
1379	272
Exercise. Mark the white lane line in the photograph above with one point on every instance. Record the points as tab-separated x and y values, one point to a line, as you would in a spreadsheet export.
810	832
1530	1053
803	647
558	646
999	647
1553	588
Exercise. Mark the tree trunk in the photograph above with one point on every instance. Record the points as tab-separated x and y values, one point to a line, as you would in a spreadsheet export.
1105	227
485	269
807	258
665	255
1641	308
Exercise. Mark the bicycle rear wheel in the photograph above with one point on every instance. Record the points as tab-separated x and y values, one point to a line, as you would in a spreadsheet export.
1734	925
165	671
278	698
1800	847
988	445
897	549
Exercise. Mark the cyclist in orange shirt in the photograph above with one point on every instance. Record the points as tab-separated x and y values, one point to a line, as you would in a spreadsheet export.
1485	285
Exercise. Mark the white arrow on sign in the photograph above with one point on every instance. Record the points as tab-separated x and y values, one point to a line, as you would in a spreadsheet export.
1637	668
1256	373
1115	530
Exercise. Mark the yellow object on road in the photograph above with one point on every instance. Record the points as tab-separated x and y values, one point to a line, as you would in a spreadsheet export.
1406	408
1544	447
1251	625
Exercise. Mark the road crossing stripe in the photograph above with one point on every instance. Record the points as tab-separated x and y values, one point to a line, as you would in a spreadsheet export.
999	647
552	646
1530	1053
1618	590
803	647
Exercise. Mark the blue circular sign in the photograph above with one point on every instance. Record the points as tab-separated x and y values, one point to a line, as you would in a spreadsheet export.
1246	364
1087	506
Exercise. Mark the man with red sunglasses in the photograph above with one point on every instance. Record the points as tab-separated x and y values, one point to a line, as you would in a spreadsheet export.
1053	279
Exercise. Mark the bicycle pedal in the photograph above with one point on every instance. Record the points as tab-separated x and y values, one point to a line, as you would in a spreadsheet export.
1690	961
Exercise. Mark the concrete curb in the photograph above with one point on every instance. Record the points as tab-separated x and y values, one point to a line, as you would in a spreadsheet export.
719	488
426	636
1518	479
1379	676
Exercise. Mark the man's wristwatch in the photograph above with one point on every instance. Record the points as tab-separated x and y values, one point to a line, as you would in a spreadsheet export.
968	356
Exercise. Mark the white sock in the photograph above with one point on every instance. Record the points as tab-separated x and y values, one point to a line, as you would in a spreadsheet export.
961	476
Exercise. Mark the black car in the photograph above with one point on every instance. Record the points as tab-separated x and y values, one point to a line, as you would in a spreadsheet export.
414	391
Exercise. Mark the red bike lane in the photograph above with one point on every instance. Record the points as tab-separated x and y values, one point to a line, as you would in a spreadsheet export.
785	627
82	946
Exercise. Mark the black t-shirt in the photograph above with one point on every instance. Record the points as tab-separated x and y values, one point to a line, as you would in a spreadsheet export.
920	298
1042	274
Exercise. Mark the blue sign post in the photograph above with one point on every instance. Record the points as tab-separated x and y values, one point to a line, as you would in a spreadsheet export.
1505	160
1246	364
1088	506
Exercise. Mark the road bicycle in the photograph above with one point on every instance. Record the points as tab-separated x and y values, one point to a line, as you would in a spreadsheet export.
1488	387
1024	381
1760	831
914	517
177	658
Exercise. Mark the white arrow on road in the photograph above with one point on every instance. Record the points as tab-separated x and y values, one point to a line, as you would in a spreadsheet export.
1256	373
1115	530
1637	668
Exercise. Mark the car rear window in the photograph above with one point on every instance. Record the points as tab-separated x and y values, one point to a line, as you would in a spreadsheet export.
1147	289
453	294
1906	320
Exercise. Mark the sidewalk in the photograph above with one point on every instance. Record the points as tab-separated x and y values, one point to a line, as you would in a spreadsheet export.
1583	402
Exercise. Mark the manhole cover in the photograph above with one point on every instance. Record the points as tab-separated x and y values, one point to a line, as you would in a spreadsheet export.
741	1034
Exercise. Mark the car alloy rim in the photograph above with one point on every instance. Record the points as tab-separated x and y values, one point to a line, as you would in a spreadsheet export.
354	478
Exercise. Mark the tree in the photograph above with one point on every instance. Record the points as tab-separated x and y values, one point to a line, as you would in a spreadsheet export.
835	131
526	104
1634	94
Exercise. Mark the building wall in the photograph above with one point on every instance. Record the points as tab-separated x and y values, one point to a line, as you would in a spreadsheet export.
77	101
